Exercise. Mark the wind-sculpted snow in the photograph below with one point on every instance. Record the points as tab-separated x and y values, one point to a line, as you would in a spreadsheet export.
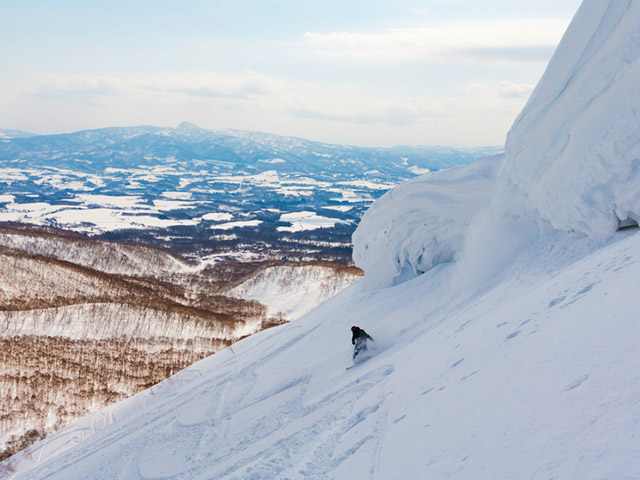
422	223
573	154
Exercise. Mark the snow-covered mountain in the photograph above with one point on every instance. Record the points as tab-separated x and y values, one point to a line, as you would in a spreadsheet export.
579	171
510	354
195	149
109	257
6	134
290	291
202	192
86	323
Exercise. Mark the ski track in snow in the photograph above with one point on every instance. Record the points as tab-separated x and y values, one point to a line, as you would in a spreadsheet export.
196	436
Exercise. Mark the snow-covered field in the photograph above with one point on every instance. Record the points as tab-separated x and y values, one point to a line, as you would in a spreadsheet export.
97	213
185	187
300	221
514	357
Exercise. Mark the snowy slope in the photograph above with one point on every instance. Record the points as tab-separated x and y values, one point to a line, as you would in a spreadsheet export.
535	378
517	360
110	257
294	290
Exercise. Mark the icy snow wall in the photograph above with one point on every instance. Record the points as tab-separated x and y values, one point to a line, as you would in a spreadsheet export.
572	160
572	156
422	223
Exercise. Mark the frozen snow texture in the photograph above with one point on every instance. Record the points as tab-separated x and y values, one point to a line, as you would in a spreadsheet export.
422	223
573	154
572	159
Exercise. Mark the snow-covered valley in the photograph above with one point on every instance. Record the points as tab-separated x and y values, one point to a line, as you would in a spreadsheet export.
502	300
88	322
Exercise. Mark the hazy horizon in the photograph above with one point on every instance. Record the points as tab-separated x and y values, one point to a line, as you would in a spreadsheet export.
363	73
232	130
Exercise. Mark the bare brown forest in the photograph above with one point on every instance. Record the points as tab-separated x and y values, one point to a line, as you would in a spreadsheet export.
86	323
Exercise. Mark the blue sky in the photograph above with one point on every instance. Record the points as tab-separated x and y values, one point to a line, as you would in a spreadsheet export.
370	72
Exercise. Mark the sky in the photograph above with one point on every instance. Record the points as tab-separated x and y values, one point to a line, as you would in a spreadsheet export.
370	72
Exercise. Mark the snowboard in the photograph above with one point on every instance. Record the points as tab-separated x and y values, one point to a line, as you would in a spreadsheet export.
357	361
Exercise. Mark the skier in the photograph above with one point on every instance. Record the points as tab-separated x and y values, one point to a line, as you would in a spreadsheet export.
359	339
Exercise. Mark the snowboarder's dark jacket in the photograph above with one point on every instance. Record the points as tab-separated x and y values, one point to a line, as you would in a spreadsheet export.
359	333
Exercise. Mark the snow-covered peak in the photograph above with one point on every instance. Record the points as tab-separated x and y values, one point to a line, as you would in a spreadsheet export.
192	128
573	154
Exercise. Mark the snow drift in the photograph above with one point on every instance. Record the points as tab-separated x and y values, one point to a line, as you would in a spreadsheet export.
422	223
573	154
533	373
572	162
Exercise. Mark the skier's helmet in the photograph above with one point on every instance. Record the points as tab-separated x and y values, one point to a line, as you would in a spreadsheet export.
354	328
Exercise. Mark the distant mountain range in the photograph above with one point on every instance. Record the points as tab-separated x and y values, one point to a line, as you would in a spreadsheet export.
9	134
192	148
203	191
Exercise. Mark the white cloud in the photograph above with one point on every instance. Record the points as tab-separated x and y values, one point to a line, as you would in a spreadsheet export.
48	84
207	85
515	40
422	12
353	106
502	90
241	92
362	110
258	102
86	89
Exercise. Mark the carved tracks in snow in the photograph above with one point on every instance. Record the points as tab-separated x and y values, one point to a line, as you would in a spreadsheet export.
282	435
